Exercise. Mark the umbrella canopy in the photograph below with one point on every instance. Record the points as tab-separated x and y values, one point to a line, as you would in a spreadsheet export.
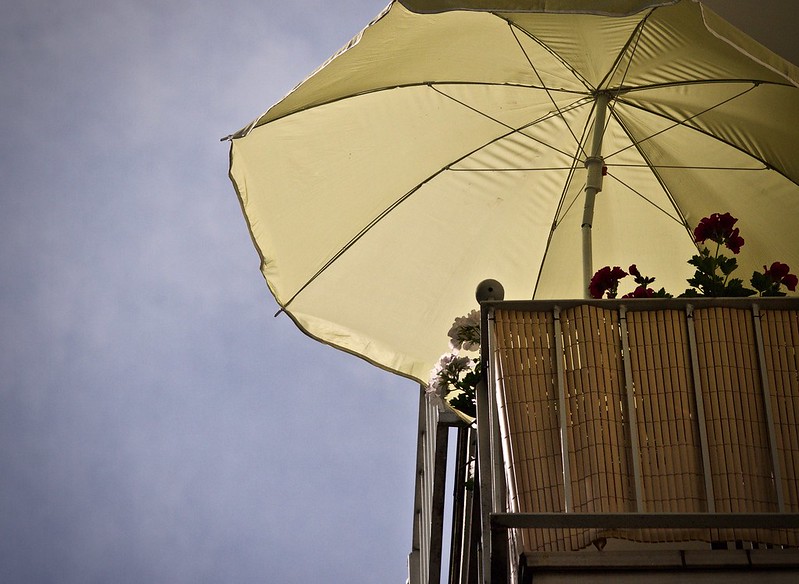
451	142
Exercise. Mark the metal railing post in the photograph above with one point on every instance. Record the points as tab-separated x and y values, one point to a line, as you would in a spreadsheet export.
772	437
564	418
700	410
632	416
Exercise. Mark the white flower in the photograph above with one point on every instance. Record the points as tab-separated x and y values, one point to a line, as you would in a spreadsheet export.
448	370
434	396
465	332
436	385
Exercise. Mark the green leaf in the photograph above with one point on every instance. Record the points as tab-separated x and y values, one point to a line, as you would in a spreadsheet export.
736	289
765	285
726	265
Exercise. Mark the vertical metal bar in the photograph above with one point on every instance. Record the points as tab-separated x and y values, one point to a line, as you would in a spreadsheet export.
470	560
700	410
419	559
499	540
484	431
458	499
564	419
772	437
437	502
632	416
499	555
484	474
498	484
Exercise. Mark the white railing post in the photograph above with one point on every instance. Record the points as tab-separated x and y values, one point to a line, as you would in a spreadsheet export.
772	437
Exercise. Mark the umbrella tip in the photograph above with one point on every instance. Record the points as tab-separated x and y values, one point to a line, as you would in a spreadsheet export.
489	290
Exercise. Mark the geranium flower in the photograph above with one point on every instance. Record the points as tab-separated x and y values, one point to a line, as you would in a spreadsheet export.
735	241
720	229
606	280
779	273
641	292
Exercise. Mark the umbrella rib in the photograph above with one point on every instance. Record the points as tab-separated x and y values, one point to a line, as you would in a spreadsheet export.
632	42
684	122
647	199
513	29
688	167
566	185
404	197
621	90
657	176
258	121
510	169
520	130
358	236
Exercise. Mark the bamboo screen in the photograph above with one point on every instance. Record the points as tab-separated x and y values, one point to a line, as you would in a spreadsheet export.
666	416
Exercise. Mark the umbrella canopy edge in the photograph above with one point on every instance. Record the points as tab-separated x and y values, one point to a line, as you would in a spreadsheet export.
603	7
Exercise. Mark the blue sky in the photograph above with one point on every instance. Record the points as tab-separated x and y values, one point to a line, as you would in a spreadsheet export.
157	424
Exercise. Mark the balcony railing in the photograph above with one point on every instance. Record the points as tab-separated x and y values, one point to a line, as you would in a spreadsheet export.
646	420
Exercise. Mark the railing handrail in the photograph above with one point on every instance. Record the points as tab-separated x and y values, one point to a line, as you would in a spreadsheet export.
632	304
645	520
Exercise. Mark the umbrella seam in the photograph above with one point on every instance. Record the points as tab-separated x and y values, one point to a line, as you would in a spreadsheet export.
721	37
542	10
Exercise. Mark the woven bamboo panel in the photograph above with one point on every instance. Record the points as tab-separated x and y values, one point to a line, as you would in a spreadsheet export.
527	380
734	416
781	343
671	460
666	414
594	381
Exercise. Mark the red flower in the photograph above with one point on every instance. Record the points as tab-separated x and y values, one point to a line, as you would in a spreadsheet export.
720	229
780	273
777	271
735	241
641	292
606	280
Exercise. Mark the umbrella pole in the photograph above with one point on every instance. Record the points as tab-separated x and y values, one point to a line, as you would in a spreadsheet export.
593	184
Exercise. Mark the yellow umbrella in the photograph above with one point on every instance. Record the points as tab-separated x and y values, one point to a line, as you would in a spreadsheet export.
530	142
